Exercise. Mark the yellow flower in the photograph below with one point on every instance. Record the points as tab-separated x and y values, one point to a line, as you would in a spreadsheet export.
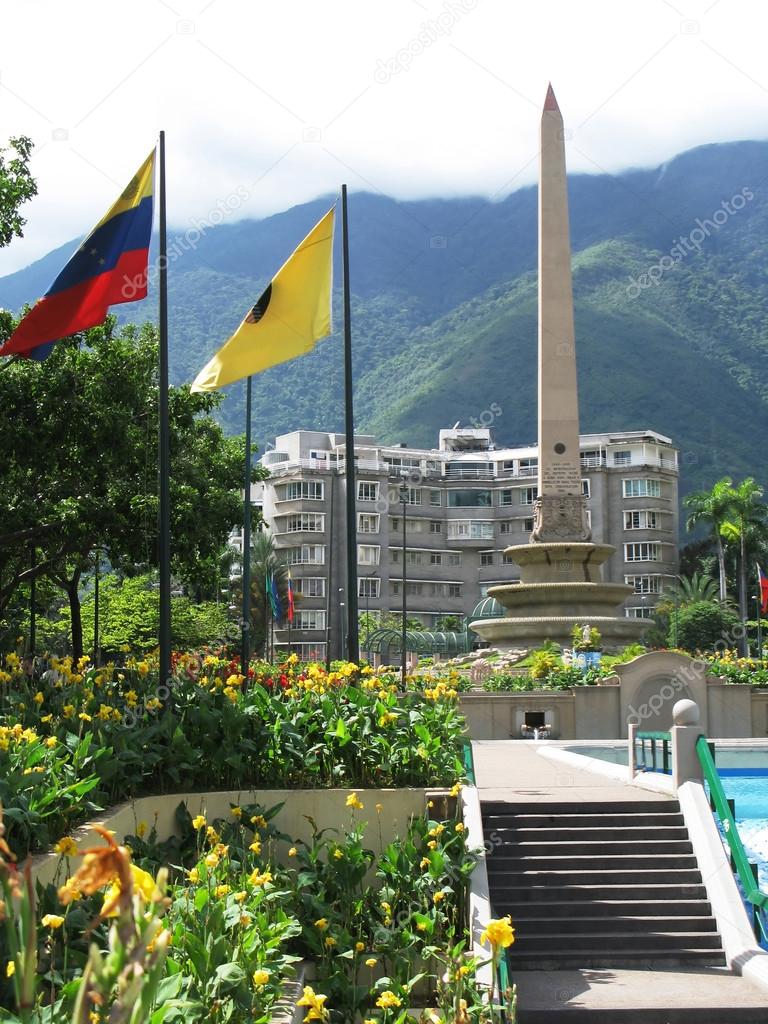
338	854
212	835
193	875
240	897
379	808
460	827
371	961
421	926
52	921
10	969
38	698
388	1000
330	941
292	852
499	933
260	977
255	846
432	844
425	862
353	801
47	718
212	860
439	896
321	923
143	884
315	1004
51	742
236	812
141	829
387	719
221	890
260	879
259	821
198	822
456	789
66	847
359	947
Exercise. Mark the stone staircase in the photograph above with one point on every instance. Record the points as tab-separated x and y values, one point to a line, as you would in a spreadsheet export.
598	885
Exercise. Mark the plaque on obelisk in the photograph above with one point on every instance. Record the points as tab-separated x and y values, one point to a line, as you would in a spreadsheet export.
560	509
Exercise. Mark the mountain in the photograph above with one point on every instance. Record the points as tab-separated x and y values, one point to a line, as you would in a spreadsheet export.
670	288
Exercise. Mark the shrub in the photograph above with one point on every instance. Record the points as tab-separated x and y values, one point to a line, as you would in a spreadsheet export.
703	626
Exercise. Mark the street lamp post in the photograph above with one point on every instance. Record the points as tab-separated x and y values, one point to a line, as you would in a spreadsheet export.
758	607
404	502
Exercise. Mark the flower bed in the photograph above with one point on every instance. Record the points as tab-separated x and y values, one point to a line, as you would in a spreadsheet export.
84	738
216	940
734	669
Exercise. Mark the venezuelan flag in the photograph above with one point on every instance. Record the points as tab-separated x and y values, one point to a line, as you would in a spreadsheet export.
110	267
763	581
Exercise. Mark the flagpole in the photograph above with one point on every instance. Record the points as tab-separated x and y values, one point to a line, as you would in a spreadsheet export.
353	639
246	611
164	546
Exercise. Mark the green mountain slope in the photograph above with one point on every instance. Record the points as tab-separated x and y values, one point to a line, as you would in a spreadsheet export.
444	311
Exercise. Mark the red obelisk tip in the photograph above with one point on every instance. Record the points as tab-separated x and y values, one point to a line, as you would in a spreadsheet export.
550	103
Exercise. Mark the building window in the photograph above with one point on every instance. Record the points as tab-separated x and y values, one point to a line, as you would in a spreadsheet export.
367	490
586	489
644	552
310	586
454	589
506	497
637	488
311	490
507	559
368	554
528	495
435	558
529	467
305	522
642	519
435	498
622	458
486	558
435	526
368	586
527	526
307	554
367	522
470	529
310	618
414	558
475	498
644	584
505	526
412	496
307	651
454	558
639	612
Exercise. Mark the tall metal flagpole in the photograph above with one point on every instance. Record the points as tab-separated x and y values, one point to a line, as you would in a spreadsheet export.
164	547
353	638
246	610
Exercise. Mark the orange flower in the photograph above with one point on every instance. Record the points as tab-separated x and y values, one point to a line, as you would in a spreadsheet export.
103	865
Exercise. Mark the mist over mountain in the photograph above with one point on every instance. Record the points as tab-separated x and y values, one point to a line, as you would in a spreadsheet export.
670	288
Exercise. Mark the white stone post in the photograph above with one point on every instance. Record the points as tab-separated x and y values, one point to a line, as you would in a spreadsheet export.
686	766
631	752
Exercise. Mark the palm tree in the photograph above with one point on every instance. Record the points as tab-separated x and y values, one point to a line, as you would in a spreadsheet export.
712	508
746	521
692	589
265	559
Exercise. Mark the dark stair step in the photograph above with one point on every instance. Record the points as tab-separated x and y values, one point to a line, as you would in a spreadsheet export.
583	924
621	905
564	958
501	865
576	820
581	876
533	893
629	807
644	1015
610	833
578	848
619	942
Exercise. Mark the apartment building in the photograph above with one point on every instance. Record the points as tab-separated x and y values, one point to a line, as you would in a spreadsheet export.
462	504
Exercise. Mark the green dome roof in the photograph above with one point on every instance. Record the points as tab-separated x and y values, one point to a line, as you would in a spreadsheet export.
488	608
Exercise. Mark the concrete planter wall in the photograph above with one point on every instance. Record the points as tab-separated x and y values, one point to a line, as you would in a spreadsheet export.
326	806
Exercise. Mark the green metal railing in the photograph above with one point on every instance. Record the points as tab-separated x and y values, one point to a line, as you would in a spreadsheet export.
665	739
468	761
745	871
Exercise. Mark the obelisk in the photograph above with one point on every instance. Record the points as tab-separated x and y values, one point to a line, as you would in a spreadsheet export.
560	511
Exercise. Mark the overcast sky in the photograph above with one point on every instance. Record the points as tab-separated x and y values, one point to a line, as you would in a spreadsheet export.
269	104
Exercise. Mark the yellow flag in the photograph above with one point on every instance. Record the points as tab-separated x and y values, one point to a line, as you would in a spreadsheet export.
293	313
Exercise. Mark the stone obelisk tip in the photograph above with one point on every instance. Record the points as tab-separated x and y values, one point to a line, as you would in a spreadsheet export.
550	103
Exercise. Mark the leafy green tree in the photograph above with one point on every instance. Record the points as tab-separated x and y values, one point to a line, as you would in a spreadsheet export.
705	625
17	186
80	470
692	590
745	523
266	558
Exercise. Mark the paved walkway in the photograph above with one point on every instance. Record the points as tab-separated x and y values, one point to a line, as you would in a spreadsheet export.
511	770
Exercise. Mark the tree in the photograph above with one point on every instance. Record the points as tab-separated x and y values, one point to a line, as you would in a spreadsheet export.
692	590
704	625
17	186
80	431
266	559
745	522
712	508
